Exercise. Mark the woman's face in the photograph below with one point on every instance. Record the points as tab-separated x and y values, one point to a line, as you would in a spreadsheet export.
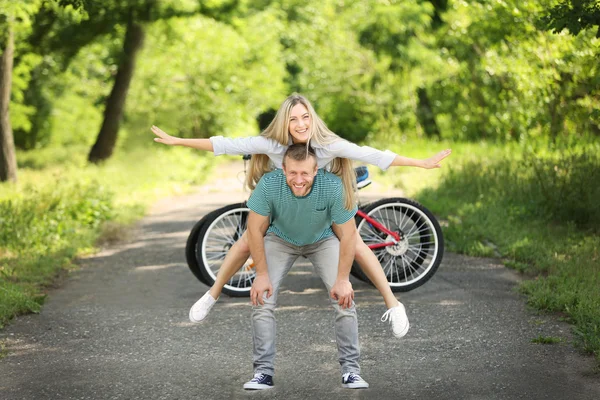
299	123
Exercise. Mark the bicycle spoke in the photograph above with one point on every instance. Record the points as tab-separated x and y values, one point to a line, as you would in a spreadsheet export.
419	224
424	243
412	259
371	237
232	223
222	237
411	269
418	255
212	256
389	266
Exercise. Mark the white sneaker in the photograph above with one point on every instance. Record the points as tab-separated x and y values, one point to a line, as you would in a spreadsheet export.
353	381
201	308
398	319
259	382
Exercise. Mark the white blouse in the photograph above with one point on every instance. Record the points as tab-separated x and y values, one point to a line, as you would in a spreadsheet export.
275	151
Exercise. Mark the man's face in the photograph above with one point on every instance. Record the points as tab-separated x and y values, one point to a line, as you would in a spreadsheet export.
300	175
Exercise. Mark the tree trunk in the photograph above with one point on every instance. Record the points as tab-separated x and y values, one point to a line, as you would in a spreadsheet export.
425	115
8	160
105	142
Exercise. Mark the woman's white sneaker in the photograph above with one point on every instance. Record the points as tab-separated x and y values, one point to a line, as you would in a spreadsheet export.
201	308
398	319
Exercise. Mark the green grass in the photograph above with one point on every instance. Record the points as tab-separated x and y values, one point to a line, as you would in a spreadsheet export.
62	207
3	351
546	340
535	207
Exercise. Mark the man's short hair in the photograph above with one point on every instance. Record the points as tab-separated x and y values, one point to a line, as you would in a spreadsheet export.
299	152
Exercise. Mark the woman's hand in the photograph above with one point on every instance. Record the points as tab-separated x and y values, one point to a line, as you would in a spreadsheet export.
163	137
434	162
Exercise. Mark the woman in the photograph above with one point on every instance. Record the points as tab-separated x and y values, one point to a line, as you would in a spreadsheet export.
297	122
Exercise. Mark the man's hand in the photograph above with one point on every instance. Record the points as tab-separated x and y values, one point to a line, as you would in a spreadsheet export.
342	292
261	284
434	161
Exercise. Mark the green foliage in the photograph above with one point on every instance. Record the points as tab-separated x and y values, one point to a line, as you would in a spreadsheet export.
538	211
211	79
14	300
546	340
513	81
326	63
574	15
462	70
63	205
47	218
565	186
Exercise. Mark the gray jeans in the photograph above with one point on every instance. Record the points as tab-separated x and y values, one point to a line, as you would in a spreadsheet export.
324	256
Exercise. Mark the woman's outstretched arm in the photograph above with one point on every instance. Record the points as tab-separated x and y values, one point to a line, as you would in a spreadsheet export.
383	159
427	163
164	138
220	145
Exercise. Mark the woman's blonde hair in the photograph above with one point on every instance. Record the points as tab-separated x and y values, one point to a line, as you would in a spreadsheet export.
278	130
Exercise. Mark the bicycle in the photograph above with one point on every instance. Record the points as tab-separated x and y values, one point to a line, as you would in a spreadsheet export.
403	234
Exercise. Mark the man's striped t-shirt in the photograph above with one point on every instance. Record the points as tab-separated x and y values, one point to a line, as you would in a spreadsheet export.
301	220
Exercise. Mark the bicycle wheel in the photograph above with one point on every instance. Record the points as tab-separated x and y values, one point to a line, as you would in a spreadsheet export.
222	228
417	256
190	250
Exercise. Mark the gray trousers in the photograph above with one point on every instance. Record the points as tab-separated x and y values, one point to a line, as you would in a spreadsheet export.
324	256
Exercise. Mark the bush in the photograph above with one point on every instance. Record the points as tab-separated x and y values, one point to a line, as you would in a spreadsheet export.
566	186
558	187
43	220
62	206
538	212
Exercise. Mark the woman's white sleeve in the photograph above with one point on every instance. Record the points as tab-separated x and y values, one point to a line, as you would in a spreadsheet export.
239	146
369	155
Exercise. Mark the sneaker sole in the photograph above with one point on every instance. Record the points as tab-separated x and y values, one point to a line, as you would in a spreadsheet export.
256	386
195	321
355	385
404	331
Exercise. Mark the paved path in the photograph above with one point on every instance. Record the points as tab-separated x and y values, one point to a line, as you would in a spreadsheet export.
118	329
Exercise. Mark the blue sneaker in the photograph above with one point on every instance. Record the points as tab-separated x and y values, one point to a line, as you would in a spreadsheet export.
353	381
259	382
362	177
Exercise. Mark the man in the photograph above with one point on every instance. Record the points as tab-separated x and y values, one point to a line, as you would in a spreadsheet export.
295	212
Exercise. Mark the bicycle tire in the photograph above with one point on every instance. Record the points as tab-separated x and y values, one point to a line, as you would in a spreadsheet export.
190	250
221	229
417	257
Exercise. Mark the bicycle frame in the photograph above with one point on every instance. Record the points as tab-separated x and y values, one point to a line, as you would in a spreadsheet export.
375	224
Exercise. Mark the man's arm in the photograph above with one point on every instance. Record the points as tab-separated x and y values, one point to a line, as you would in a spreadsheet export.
257	227
342	289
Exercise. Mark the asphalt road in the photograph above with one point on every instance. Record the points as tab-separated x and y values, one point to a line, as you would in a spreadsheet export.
118	329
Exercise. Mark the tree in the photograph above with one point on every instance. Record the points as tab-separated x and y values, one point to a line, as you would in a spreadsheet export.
13	15
403	33
115	103
8	161
108	16
574	15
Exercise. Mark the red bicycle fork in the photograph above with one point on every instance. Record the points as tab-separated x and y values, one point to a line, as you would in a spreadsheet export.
396	237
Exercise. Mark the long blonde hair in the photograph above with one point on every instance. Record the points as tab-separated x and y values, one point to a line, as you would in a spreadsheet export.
278	130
